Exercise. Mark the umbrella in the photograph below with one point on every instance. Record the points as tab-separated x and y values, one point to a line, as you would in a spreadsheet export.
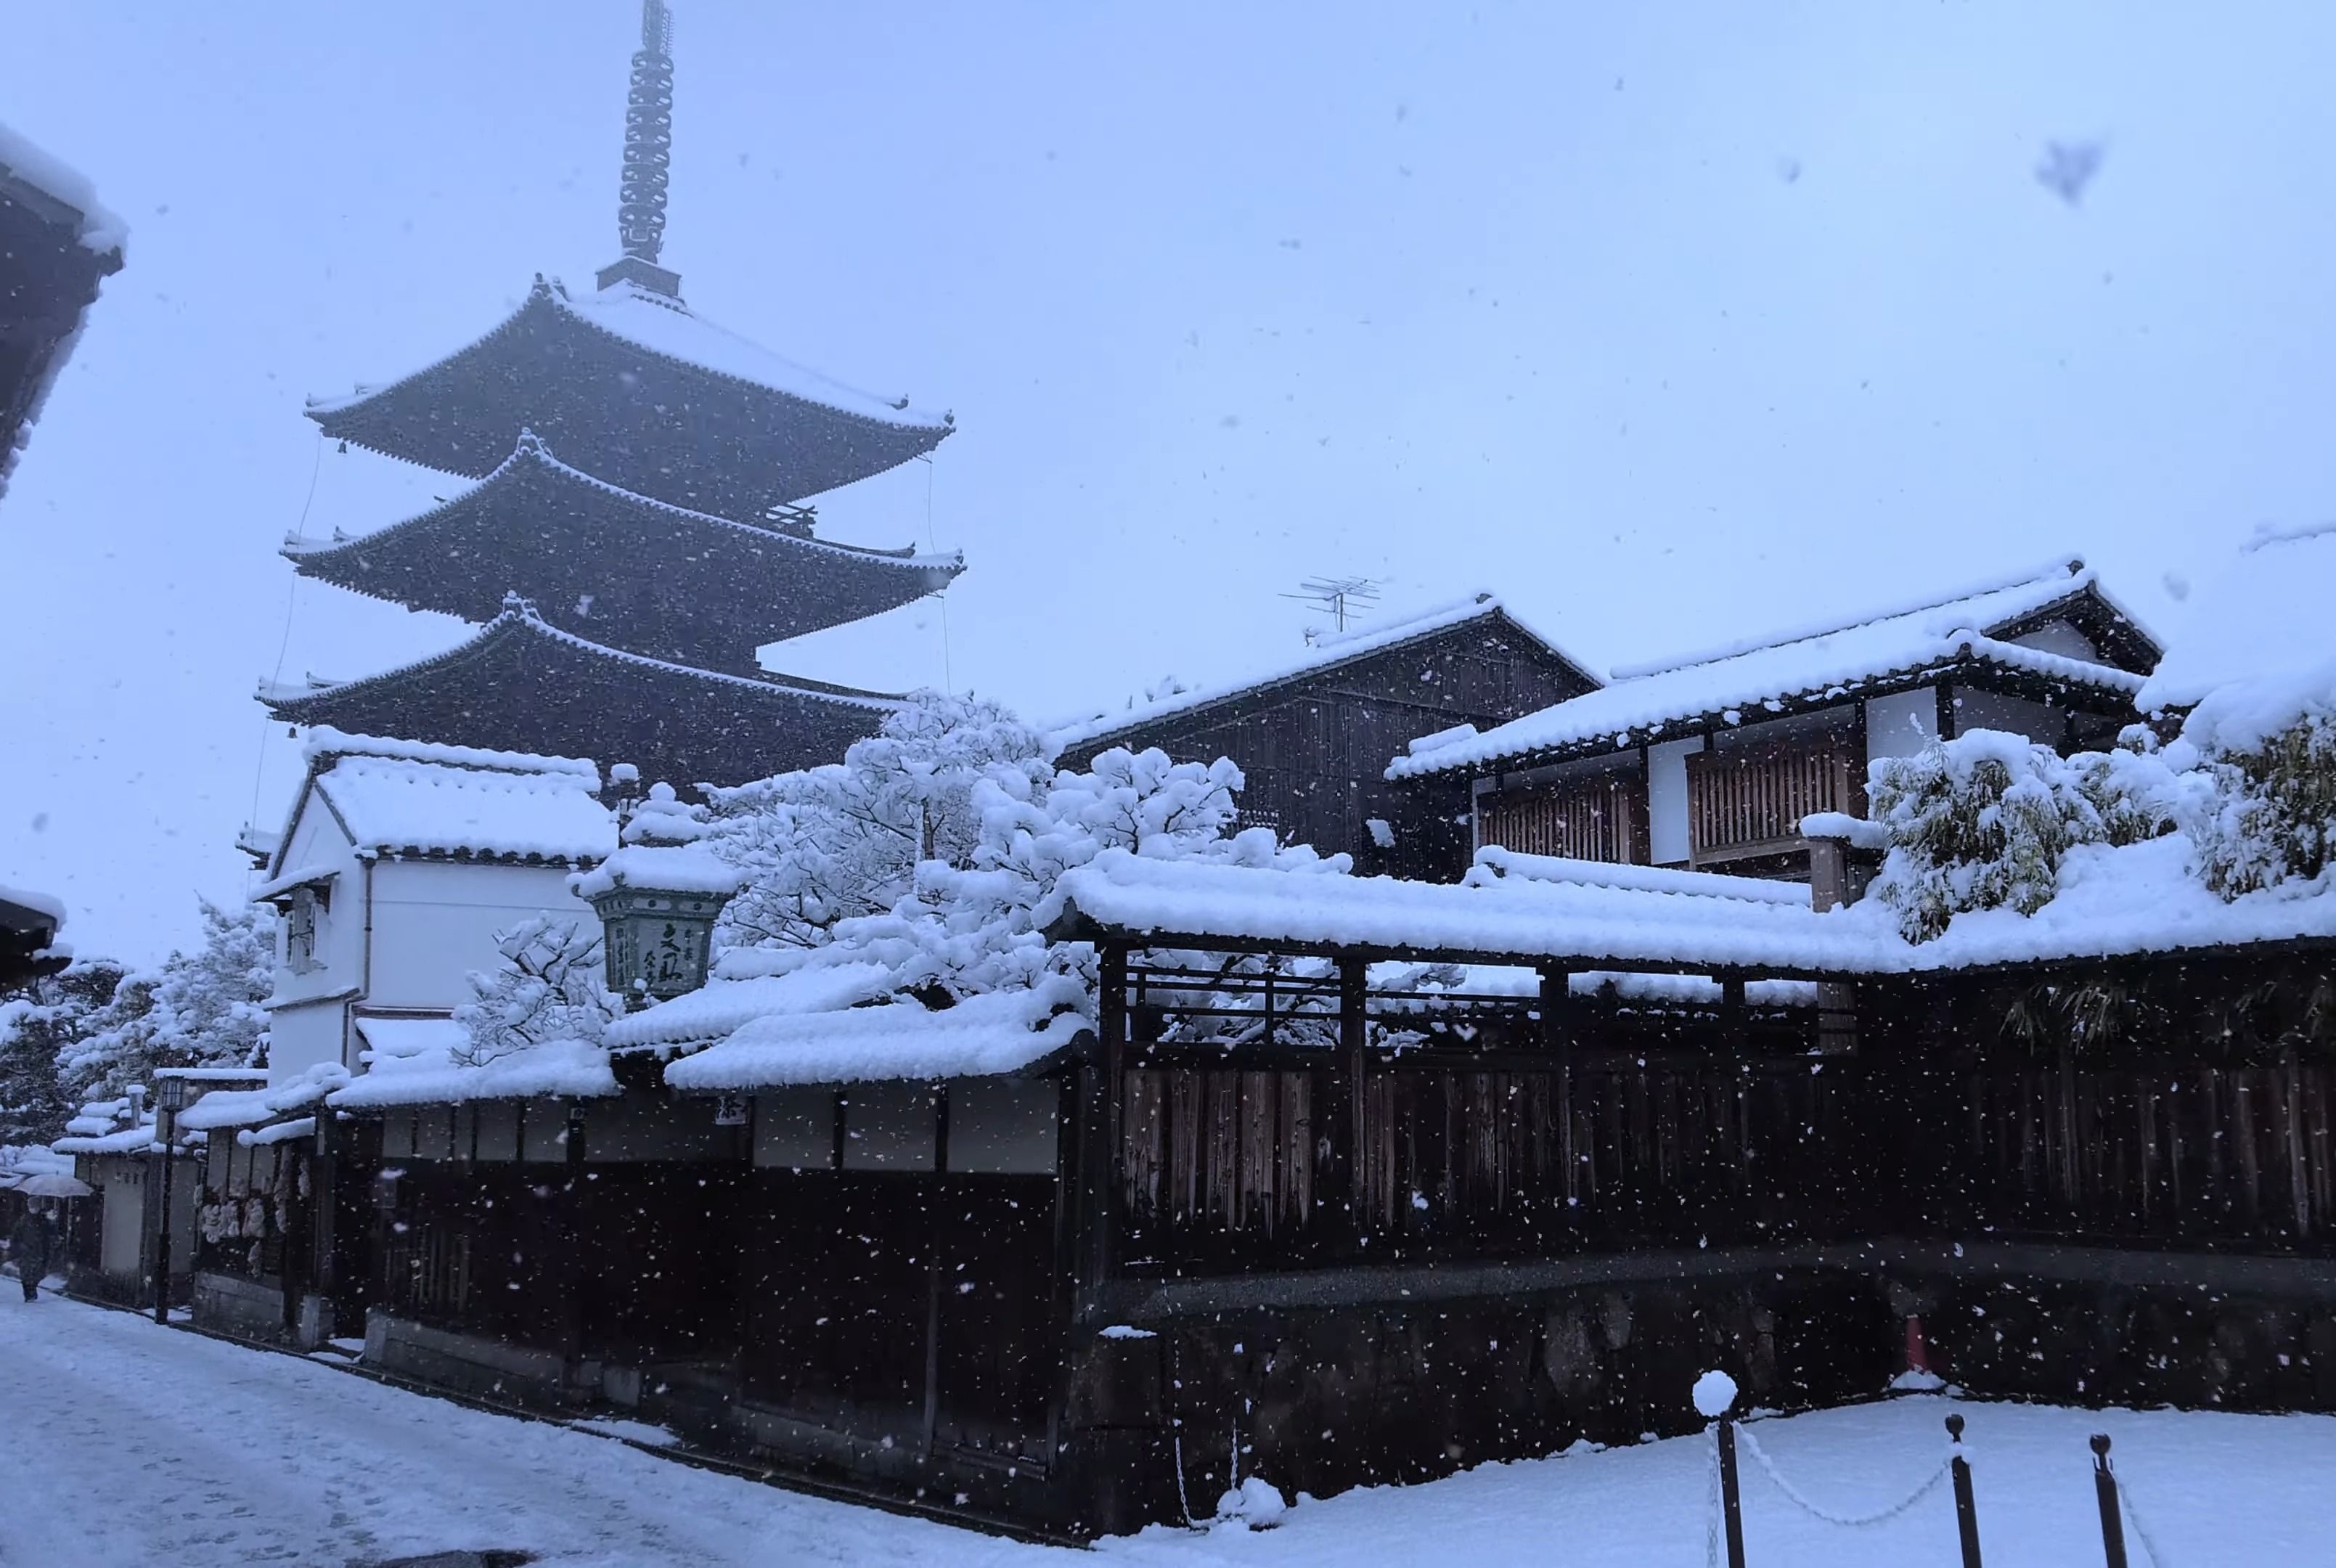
49	1186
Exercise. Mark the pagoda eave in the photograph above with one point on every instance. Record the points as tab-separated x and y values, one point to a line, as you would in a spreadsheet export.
520	684
638	574
643	395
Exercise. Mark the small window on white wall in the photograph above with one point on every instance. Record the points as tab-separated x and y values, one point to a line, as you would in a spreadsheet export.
300	930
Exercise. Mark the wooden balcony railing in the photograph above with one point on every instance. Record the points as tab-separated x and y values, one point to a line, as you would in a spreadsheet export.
1599	819
1750	800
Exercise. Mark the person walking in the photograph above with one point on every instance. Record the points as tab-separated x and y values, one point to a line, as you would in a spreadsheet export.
31	1245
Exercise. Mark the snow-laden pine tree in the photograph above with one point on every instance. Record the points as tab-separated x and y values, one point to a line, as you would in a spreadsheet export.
207	1011
833	842
1982	822
551	985
39	1026
200	1009
979	927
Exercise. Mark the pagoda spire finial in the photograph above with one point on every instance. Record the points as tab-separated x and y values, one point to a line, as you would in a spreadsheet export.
648	159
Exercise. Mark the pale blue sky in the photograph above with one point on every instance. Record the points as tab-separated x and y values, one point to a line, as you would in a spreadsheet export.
1669	322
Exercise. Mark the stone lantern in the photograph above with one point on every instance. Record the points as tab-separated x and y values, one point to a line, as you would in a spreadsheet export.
657	898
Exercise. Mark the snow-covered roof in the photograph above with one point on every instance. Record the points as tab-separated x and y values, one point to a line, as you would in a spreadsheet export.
1323	655
254	1107
1495	864
995	1033
323	741
2266	615
98	229
533	449
1738	682
662	845
276	886
724	1005
394	806
413	1061
666	327
2137	899
520	614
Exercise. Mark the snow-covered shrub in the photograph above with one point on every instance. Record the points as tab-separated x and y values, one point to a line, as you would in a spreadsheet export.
2270	751
1977	822
2135	793
980	927
550	986
828	843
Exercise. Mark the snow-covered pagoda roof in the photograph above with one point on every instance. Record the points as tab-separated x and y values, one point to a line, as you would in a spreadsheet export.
642	392
1322	656
28	173
645	575
2265	615
519	683
1978	626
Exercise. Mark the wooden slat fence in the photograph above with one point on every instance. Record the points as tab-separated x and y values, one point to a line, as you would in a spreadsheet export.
1745	799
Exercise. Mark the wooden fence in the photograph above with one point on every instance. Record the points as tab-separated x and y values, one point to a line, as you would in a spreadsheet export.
1751	800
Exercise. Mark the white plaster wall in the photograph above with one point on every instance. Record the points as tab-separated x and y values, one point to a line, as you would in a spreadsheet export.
2058	637
318	843
1666	835
433	921
1900	724
1990	710
300	1038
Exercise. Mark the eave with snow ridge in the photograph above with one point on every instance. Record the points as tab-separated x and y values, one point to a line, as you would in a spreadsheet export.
650	578
1326	657
1971	633
520	684
643	393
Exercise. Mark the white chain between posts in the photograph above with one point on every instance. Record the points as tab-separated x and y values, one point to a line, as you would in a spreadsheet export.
2140	1530
1743	1439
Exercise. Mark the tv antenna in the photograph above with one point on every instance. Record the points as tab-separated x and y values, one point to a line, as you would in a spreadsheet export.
1343	599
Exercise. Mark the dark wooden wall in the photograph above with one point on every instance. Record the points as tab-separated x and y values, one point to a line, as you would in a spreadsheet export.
1314	749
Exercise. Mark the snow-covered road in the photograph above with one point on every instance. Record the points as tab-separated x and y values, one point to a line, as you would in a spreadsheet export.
124	1444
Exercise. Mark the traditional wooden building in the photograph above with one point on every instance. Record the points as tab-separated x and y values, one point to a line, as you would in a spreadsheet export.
1711	761
639	526
1312	738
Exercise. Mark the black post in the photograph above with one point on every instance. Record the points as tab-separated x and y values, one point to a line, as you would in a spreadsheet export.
2106	1491
1731	1505
1966	1510
167	1123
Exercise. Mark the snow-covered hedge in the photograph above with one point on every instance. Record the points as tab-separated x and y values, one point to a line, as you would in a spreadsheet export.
1982	822
2271	752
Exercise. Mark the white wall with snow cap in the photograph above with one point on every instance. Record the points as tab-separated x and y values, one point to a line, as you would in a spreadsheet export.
1667	823
316	842
433	921
1900	724
2059	636
2038	722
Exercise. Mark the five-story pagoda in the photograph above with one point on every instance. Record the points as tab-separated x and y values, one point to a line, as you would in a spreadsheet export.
638	528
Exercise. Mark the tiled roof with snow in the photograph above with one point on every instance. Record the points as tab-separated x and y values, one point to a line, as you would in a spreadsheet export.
252	1107
392	805
21	158
2267	614
671	330
321	741
995	1033
1734	683
1323	655
721	1004
2136	899
416	1062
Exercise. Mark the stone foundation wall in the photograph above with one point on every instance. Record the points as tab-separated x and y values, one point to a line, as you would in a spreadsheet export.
254	1310
470	1364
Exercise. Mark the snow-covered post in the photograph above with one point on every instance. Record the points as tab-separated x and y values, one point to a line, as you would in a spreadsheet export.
2105	1492
1715	1393
1966	1508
